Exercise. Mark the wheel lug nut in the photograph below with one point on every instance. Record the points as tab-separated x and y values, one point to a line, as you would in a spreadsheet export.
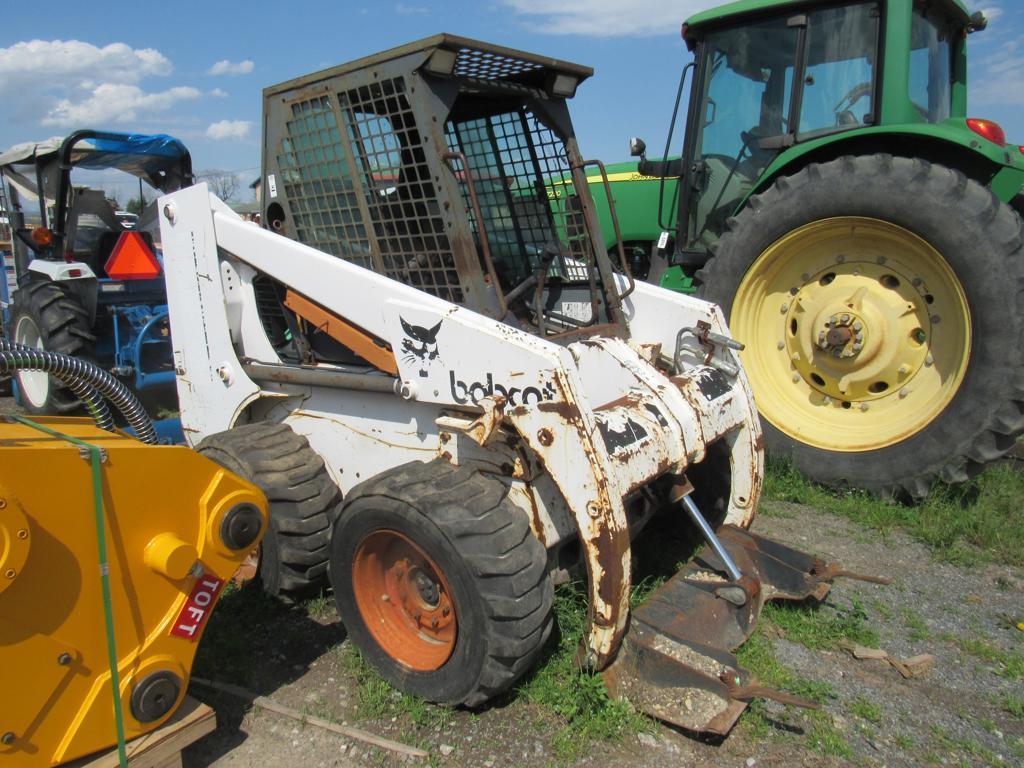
385	598
864	406
929	360
904	392
796	378
845	319
785	308
858	326
781	345
445	611
834	320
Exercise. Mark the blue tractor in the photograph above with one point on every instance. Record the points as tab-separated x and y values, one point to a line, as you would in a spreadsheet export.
86	279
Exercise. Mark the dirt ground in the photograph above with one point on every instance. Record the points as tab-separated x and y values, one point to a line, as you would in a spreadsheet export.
956	714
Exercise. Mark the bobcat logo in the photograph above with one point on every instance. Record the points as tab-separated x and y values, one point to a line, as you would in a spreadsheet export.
420	344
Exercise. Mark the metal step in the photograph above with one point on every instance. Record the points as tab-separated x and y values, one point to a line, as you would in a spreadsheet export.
676	662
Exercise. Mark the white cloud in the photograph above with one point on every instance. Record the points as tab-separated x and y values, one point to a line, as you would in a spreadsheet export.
1001	80
607	18
225	67
229	129
115	104
410	10
48	63
218	93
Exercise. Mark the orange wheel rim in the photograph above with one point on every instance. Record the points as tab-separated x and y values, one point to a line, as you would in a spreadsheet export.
405	601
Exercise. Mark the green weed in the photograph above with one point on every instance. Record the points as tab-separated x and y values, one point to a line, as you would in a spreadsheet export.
918	629
1009	664
979	521
1013	705
866	710
579	700
820	629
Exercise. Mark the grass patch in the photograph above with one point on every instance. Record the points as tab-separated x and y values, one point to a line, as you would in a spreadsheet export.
918	629
865	710
1012	705
578	699
819	629
376	699
904	742
979	521
758	655
318	607
1008	664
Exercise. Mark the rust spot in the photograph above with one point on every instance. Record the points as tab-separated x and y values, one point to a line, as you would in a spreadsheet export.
537	523
759	442
626	400
567	411
446	456
609	547
545	436
445	437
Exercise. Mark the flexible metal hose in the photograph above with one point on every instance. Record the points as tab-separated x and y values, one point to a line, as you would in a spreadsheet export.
89	382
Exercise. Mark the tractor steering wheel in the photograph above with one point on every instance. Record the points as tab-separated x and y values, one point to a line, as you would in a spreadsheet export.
844	115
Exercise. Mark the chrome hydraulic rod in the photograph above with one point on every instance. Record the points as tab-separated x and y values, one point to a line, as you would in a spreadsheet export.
711	538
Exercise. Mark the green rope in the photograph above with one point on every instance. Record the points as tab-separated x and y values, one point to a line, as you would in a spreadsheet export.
96	459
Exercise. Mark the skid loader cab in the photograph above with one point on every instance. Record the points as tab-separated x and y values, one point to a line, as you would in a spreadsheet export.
433	164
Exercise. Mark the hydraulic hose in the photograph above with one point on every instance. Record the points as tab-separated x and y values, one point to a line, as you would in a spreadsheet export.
90	383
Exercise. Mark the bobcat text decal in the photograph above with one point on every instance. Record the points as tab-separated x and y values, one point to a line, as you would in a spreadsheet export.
476	391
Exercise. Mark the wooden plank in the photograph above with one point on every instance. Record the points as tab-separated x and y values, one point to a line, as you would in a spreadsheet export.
343	730
161	747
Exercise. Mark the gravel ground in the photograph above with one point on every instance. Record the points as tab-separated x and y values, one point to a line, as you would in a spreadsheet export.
950	716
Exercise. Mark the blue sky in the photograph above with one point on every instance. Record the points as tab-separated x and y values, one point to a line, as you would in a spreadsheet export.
196	69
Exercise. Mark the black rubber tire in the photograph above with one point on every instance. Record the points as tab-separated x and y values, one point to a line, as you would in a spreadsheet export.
981	238
496	568
63	326
304	502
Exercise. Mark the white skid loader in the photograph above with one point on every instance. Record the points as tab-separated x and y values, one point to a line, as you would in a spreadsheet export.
439	344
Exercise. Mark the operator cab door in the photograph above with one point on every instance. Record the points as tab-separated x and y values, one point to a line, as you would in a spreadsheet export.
761	87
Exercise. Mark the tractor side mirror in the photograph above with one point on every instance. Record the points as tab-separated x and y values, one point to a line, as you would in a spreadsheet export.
637	147
978	22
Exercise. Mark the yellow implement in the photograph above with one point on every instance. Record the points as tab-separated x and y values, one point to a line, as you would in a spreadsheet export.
176	526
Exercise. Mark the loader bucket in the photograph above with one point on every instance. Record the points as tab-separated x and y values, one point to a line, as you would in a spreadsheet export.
677	659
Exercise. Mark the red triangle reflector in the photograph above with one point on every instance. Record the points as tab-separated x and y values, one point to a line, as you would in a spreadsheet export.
132	259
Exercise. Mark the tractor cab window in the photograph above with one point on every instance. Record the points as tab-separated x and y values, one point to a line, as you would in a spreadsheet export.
838	84
746	98
931	59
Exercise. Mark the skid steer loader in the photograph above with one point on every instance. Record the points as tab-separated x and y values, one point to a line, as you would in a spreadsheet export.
493	402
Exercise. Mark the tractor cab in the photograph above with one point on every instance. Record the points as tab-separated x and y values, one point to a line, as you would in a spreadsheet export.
88	276
771	77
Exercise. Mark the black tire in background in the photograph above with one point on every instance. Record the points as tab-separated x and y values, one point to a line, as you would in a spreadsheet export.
488	556
981	240
48	314
303	500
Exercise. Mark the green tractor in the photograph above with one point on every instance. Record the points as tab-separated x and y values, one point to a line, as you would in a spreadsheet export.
863	235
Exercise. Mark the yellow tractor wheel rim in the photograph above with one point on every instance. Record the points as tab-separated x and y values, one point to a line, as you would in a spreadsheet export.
857	333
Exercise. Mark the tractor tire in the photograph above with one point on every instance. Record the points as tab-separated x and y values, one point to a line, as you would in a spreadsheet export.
881	301
440	582
303	500
46	315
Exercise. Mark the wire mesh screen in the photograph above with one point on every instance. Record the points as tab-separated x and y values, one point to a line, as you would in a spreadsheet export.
521	177
319	187
398	191
487	65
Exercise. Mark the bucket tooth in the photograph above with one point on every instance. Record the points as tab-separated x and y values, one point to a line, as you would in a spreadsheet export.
676	661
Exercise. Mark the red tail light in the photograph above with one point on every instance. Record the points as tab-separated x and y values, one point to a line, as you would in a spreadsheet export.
988	129
42	237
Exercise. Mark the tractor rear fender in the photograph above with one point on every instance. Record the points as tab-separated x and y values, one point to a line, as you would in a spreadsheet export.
600	415
951	144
